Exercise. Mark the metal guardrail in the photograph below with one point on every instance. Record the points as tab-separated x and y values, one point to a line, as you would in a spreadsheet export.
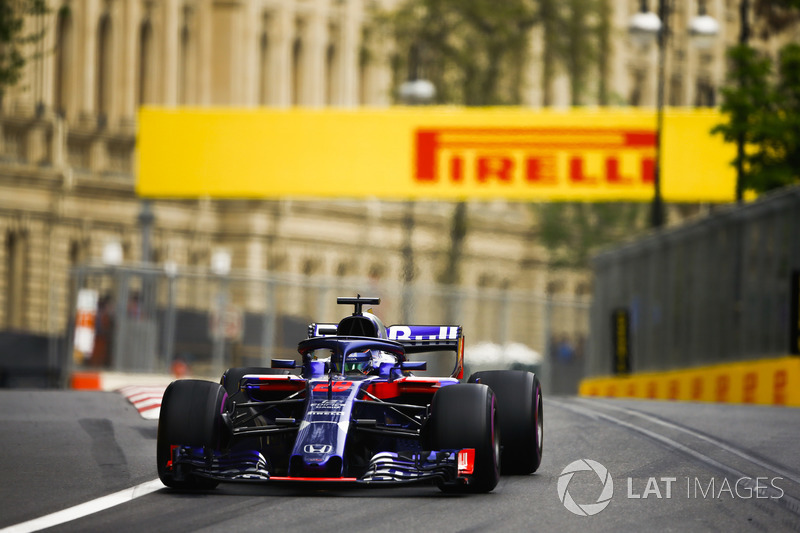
716	290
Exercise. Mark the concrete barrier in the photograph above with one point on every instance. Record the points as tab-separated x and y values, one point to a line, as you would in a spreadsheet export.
110	381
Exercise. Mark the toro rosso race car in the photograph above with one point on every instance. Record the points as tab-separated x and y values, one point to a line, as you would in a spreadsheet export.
354	411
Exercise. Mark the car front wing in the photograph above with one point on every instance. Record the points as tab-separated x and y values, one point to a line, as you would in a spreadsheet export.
385	468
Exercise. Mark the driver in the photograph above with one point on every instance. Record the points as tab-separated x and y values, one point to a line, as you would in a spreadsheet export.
365	365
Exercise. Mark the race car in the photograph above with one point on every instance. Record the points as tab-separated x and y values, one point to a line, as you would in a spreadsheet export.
354	411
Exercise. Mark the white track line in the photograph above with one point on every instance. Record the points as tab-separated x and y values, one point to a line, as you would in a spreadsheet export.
85	509
700	436
789	503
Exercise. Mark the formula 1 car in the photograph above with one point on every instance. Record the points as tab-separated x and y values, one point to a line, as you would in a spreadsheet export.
354	412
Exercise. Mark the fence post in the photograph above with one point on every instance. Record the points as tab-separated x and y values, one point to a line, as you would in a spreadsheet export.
169	315
118	352
504	317
268	331
78	276
547	366
218	332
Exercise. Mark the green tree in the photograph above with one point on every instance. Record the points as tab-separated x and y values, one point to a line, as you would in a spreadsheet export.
773	16
573	231
763	107
476	52
465	47
575	39
13	38
451	274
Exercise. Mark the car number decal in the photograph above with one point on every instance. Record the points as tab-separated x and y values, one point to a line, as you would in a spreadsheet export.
336	386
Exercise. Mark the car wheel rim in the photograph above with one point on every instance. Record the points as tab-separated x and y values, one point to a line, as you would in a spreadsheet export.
539	424
496	440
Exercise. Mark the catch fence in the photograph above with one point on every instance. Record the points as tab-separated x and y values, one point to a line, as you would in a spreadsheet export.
154	319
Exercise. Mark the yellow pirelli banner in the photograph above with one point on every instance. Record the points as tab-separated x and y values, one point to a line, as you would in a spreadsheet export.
766	382
432	153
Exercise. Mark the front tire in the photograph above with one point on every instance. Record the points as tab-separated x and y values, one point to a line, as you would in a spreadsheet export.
519	399
465	416
191	415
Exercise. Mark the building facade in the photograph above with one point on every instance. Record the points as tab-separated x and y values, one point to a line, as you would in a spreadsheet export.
69	139
695	69
67	149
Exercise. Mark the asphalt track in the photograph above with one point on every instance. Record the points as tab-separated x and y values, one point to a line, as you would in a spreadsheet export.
61	449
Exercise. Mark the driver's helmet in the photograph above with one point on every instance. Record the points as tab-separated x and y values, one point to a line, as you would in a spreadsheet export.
358	362
362	367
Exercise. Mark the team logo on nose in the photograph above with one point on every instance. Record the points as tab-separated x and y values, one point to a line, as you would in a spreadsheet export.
317	448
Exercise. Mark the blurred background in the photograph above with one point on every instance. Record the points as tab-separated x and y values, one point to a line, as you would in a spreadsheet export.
94	277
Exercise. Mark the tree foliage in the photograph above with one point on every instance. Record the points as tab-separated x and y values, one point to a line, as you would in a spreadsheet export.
572	232
575	40
762	101
451	274
773	16
465	46
13	38
476	52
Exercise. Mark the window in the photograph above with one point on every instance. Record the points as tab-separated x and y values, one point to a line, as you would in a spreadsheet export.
103	80
297	74
676	90
635	98
263	62
183	63
705	95
16	255
363	76
343	269
143	90
63	56
77	253
311	268
330	75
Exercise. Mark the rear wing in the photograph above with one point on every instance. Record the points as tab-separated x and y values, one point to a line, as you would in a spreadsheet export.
426	338
415	339
419	339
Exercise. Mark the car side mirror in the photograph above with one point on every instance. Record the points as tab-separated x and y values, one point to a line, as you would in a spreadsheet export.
414	365
284	363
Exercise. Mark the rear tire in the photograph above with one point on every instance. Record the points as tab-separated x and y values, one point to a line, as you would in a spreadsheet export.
191	415
519	400
465	416
231	378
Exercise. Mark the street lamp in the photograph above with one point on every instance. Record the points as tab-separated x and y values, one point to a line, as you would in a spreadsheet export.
703	29
413	91
221	267
416	91
744	38
644	27
146	219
